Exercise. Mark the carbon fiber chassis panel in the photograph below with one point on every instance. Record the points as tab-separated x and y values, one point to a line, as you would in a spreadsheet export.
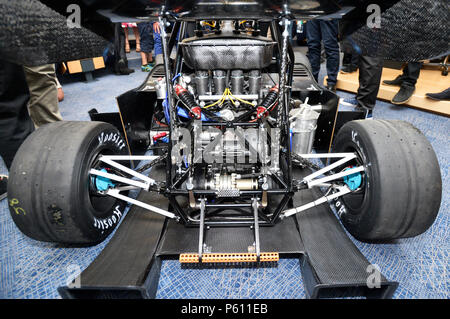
283	238
332	265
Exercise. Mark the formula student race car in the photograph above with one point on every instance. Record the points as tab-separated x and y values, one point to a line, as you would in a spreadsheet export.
236	150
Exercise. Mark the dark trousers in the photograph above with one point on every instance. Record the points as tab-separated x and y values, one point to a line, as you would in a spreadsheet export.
370	70
146	35
326	31
351	59
411	73
119	43
15	122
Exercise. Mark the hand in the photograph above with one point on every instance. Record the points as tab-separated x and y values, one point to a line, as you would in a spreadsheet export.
156	27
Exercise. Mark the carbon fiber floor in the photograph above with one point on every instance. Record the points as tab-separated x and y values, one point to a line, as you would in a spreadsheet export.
283	239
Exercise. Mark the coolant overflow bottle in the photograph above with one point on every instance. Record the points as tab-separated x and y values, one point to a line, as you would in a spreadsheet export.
303	127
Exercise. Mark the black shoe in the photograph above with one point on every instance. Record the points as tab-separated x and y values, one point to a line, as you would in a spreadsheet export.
331	87
403	95
442	96
3	186
367	112
398	81
121	68
349	68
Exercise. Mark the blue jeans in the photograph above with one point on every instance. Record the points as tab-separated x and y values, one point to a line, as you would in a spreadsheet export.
326	31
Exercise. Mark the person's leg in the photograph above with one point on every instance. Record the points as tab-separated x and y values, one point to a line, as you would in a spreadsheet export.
127	40
347	59
121	62
144	60
43	105
355	60
144	42
150	58
370	70
411	73
329	30
145	32
408	83
138	39
60	90
350	61
120	42
314	39
15	122
399	79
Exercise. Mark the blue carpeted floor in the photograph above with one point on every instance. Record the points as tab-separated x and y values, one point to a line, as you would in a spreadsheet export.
31	269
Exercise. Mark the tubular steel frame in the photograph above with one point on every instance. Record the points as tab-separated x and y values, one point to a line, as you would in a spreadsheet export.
172	190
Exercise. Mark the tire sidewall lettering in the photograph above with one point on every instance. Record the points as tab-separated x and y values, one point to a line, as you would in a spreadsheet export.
113	138
356	142
359	145
110	222
341	210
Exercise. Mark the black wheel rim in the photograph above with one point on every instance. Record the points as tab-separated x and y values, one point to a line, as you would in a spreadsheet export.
102	205
355	200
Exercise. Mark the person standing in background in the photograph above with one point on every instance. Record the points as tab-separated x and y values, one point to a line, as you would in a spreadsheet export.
370	70
60	91
407	82
350	61
147	44
134	27
15	122
120	56
326	31
439	96
43	86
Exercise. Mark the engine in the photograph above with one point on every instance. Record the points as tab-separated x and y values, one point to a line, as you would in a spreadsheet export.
227	78
227	96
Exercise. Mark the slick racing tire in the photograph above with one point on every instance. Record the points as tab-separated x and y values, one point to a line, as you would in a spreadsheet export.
401	188
51	195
